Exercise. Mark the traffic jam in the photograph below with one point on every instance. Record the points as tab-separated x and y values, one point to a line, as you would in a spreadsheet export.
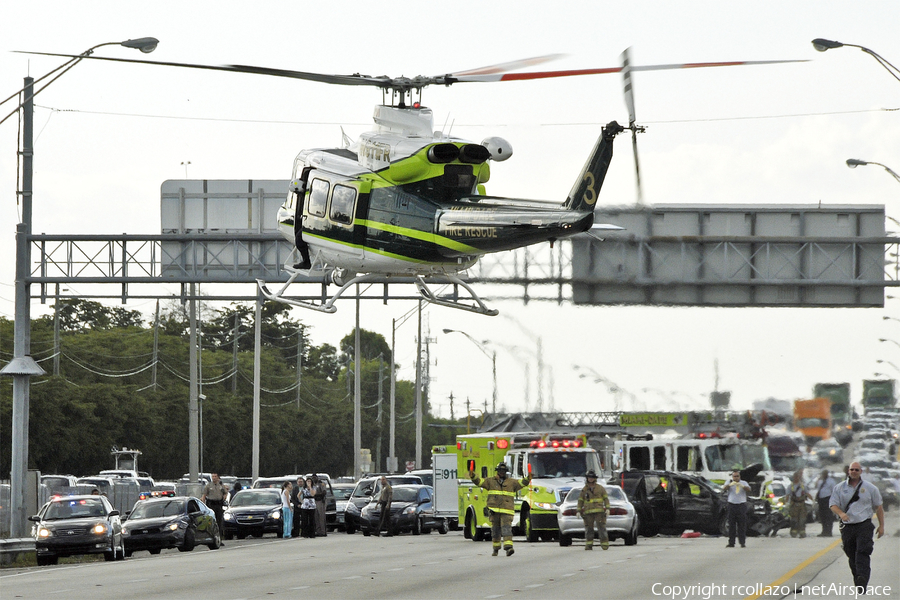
650	485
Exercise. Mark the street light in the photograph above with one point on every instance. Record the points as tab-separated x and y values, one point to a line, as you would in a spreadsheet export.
22	367
887	362
144	44
895	342
855	162
490	355
822	45
887	318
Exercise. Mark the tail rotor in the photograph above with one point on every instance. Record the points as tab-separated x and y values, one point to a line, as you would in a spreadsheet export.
628	87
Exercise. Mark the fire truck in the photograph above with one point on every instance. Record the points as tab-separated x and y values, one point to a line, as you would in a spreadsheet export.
556	462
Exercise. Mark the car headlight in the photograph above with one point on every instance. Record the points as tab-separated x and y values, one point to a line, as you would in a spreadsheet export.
99	528
173	526
44	532
409	510
228	517
545	505
275	514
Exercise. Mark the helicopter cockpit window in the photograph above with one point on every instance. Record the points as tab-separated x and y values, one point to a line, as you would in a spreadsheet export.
343	199
318	196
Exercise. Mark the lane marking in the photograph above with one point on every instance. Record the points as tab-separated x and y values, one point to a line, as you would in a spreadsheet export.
798	568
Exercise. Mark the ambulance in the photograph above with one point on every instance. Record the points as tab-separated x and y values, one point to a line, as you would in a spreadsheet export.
556	462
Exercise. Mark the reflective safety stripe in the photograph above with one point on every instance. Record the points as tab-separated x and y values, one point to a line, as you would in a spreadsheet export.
501	510
500	493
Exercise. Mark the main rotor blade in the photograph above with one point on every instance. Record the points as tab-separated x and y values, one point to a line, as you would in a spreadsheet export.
601	71
355	79
508	66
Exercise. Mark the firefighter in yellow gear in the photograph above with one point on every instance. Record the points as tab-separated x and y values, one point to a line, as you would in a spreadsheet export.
501	501
593	506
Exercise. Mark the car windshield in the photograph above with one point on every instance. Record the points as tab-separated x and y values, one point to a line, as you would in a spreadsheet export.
404	494
614	493
562	464
154	510
363	489
342	493
255	498
724	457
75	509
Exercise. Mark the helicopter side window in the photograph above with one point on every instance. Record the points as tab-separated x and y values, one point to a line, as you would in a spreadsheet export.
318	196
343	199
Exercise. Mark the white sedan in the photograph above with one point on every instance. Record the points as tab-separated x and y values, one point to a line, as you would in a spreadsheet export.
621	522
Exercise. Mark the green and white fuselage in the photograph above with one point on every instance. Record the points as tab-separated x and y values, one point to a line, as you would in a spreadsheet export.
404	200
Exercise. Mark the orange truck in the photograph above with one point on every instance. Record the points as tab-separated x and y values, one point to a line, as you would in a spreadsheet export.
813	419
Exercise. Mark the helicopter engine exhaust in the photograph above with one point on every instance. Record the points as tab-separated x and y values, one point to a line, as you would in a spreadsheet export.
499	148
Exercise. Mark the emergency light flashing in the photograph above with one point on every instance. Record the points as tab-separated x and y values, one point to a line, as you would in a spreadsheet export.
556	443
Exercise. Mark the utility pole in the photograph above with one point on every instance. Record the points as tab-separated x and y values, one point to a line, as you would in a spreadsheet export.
193	396
357	397
299	361
56	341
22	366
155	347
257	368
380	411
392	456
234	351
419	390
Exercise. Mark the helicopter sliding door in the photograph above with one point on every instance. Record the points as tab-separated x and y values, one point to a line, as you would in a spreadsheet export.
405	222
330	215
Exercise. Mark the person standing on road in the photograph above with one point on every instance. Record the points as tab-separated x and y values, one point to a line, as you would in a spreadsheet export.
797	496
308	509
824	487
593	506
321	490
385	497
854	501
737	509
295	505
501	501
287	511
214	495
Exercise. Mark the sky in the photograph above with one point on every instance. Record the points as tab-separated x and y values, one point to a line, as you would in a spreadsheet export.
107	135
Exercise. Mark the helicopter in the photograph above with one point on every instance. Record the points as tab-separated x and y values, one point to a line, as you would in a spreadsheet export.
405	202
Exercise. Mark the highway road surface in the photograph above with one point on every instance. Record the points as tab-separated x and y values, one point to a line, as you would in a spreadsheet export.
449	566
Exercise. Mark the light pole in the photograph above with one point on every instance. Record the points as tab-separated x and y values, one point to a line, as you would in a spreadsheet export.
855	162
822	45
539	352
22	367
615	389
887	362
895	342
491	355
523	356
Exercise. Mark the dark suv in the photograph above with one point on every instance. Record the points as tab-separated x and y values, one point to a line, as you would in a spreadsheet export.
365	490
670	503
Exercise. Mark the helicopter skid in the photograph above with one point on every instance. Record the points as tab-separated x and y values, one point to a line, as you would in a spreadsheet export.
427	294
479	306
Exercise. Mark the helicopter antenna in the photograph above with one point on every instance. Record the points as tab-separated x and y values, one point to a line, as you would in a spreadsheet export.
635	129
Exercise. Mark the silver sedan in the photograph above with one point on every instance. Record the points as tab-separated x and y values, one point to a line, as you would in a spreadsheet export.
621	522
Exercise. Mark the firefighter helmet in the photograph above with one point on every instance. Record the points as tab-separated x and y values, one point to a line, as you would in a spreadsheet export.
502	466
591	473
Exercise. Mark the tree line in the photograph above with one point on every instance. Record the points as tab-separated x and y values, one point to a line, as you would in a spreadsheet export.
115	380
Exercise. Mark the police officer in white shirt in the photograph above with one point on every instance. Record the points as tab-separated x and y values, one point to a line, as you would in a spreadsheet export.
854	501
